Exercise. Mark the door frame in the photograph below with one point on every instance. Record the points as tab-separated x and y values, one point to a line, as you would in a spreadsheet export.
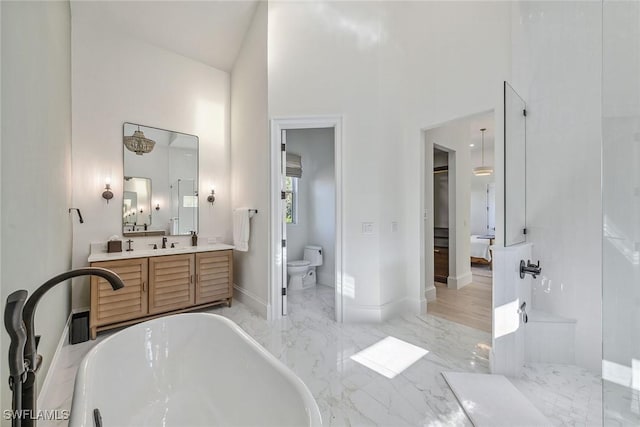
274	310
452	209
426	203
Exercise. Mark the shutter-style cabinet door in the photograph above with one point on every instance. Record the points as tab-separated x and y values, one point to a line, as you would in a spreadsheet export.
171	283
109	306
214	276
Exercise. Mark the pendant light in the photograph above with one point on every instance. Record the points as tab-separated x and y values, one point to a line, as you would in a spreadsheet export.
483	170
138	143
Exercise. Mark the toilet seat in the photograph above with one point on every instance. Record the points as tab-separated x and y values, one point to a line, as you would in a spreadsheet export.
300	263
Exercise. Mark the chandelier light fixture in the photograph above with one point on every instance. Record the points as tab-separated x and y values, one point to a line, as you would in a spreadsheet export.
138	143
483	170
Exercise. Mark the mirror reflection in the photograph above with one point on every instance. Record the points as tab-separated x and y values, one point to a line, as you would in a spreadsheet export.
136	203
160	190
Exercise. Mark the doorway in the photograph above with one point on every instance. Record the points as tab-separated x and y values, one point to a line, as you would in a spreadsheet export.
306	216
460	219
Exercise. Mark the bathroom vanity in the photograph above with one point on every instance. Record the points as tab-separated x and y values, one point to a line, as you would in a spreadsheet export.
159	282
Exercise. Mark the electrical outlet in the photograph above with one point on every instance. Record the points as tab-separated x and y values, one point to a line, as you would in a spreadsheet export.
367	228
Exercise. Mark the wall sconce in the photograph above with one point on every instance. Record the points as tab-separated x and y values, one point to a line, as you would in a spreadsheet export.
157	205
211	197
107	194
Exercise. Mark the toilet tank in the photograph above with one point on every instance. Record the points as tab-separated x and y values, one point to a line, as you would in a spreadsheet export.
313	254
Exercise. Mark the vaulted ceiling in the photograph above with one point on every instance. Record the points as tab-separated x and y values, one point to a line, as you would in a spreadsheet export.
207	31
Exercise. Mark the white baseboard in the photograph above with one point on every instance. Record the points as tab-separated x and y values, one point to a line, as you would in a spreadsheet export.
251	300
327	279
417	305
64	338
459	282
393	309
374	313
430	293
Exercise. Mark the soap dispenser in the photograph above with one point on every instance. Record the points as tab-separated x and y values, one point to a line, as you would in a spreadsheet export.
194	238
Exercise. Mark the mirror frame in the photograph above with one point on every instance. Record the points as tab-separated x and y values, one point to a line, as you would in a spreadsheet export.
163	231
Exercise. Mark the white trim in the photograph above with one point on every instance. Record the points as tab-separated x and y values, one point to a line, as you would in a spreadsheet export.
251	300
326	279
430	293
417	305
275	229
459	282
393	309
64	338
377	313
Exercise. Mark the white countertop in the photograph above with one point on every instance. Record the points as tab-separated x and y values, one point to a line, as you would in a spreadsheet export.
104	256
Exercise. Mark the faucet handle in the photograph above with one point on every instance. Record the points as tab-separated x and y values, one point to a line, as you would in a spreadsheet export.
17	330
173	244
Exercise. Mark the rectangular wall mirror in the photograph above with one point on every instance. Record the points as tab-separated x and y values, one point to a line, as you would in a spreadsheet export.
160	183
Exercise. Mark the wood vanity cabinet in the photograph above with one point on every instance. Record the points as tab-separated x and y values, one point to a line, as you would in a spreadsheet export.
160	285
130	302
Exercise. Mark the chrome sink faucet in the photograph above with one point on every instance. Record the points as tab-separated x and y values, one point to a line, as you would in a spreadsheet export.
24	362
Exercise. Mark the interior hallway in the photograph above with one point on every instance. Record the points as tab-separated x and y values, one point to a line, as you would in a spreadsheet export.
469	306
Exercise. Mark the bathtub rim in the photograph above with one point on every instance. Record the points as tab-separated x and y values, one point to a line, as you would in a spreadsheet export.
311	406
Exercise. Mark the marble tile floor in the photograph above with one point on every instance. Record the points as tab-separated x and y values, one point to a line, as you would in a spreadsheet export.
318	350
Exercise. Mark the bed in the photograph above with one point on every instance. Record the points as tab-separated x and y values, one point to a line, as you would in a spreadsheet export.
480	250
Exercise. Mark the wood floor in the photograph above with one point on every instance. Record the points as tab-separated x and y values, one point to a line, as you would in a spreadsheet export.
470	306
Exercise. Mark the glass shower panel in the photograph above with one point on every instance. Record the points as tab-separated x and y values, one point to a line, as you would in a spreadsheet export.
621	213
184	207
515	161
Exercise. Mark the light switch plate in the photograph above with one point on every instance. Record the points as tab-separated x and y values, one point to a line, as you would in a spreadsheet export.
367	228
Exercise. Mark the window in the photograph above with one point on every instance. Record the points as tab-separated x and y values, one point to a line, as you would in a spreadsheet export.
291	200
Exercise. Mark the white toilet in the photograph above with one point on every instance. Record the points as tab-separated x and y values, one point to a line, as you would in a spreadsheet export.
302	273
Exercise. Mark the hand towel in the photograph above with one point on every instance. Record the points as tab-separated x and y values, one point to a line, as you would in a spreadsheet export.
241	229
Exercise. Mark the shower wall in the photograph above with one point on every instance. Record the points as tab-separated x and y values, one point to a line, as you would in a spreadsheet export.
556	68
621	212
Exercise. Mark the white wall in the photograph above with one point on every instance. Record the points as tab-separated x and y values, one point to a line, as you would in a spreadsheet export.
119	79
390	69
557	70
316	199
36	164
479	213
249	159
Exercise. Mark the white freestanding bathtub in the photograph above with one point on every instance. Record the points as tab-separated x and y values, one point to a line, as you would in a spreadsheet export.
188	370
